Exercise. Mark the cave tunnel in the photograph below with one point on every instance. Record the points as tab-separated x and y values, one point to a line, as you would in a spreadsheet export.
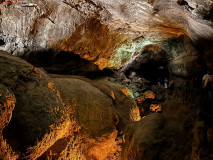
152	71
151	64
80	80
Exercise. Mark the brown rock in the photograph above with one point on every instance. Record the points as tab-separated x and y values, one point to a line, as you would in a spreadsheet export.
28	105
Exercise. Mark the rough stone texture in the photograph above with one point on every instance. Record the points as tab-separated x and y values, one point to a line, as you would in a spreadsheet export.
45	117
96	29
183	58
93	109
110	33
163	136
122	102
28	88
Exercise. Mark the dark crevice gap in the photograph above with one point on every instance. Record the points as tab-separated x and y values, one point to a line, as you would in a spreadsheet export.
2	42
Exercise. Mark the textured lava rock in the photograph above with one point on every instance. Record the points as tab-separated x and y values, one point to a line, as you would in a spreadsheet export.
96	29
37	120
121	103
31	116
183	58
161	136
93	109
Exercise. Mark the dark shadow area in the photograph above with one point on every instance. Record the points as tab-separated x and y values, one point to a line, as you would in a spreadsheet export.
151	65
106	72
1	1
60	62
151	71
209	16
184	3
14	130
2	42
205	54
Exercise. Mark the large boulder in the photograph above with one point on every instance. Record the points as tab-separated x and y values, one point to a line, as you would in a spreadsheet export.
92	108
44	116
102	109
29	106
166	136
98	104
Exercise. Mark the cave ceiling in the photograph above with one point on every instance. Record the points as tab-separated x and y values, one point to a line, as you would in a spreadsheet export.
98	29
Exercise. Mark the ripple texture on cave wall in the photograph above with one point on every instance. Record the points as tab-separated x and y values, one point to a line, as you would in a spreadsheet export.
97	29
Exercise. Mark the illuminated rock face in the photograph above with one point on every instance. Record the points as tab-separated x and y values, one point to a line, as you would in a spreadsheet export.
45	117
25	116
129	35
164	136
96	30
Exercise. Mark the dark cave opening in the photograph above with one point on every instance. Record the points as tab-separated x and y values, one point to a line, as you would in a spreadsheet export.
152	71
209	15
151	64
2	42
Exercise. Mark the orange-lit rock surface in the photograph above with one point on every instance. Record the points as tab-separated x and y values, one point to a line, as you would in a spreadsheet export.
73	118
70	117
155	108
98	112
93	40
80	118
7	105
29	109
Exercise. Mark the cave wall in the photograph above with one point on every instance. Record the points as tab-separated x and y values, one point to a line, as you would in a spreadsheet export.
96	29
120	34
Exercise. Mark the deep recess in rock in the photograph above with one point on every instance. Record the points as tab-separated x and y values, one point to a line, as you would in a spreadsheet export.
61	62
2	42
150	65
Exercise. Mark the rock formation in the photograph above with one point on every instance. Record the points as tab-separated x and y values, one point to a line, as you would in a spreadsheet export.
100	29
92	74
39	113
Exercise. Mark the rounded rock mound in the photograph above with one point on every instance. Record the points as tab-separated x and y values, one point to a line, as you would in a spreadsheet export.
29	106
